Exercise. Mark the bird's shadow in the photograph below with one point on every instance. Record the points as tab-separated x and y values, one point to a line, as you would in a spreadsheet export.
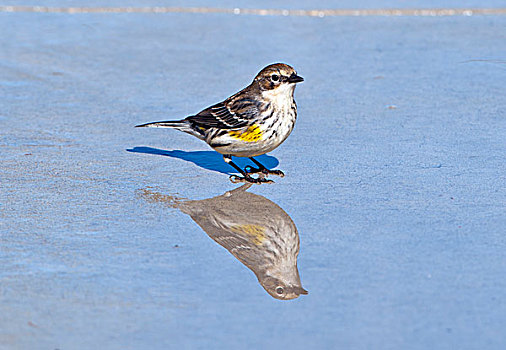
209	160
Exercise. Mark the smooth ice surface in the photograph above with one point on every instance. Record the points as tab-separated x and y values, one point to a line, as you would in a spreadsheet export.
395	181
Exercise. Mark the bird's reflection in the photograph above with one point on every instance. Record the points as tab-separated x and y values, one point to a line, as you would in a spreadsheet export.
255	230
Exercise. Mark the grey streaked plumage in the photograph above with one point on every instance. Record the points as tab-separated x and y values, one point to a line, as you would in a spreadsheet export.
252	122
255	230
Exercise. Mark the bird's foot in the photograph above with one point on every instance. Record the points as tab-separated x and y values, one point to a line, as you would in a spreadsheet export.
258	180
250	170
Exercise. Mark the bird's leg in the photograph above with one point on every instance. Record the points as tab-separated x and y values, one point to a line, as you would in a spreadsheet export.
261	169
245	177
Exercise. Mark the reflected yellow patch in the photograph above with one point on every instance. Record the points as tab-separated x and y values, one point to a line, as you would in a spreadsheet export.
257	233
252	134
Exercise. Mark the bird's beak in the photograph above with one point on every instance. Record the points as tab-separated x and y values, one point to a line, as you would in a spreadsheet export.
301	290
294	78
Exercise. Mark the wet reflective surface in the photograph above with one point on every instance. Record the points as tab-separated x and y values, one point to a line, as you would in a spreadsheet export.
394	178
252	228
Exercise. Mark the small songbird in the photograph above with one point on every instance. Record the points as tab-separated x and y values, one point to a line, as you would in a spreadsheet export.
250	123
252	228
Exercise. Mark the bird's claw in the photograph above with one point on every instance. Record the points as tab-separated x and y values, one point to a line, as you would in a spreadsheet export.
250	170
275	172
259	180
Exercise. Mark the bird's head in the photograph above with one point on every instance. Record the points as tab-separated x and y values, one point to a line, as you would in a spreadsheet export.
277	76
282	290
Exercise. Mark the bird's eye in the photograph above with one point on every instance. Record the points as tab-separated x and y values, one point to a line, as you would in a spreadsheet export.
275	77
279	290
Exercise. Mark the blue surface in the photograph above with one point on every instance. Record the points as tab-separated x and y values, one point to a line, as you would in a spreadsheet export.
395	180
266	4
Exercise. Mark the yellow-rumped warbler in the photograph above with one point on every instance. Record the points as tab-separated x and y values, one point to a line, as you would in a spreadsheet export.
255	230
252	122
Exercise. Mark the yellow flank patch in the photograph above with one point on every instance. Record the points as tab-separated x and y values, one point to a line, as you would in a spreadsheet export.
252	134
257	233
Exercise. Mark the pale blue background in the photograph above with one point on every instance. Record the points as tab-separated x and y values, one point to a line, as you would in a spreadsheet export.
395	180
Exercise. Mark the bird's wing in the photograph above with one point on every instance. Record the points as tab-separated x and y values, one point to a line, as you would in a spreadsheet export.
246	248
231	114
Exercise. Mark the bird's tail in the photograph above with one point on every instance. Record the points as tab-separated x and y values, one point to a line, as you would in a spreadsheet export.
157	197
182	125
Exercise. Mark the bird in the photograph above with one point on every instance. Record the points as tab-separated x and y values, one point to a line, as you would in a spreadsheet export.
252	122
255	230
